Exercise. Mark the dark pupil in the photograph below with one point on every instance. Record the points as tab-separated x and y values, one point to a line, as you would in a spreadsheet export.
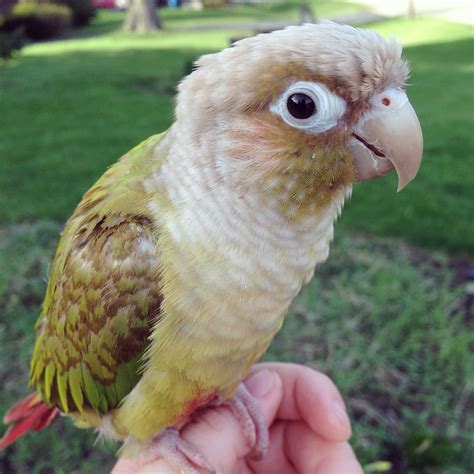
300	106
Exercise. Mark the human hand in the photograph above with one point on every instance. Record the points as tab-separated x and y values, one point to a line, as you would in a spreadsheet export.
308	425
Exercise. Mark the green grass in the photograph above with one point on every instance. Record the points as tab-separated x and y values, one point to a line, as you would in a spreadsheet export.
73	107
388	329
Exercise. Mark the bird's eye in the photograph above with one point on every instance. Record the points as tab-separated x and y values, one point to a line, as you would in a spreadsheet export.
309	106
301	106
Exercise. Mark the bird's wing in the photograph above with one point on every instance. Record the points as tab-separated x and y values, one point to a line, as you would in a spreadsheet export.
103	293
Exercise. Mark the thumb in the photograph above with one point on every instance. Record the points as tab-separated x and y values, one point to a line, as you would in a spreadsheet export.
218	435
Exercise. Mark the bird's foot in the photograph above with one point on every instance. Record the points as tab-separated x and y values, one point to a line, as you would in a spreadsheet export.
178	453
250	416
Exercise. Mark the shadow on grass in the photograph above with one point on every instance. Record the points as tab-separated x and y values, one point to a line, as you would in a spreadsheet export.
108	22
256	12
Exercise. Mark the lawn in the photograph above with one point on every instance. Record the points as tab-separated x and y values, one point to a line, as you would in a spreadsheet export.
400	352
382	320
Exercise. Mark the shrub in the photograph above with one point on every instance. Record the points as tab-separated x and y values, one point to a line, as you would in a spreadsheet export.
82	10
5	7
42	20
10	41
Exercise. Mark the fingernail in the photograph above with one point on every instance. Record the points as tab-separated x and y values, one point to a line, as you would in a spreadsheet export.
261	383
340	413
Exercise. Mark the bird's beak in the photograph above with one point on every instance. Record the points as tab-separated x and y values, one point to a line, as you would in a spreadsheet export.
388	136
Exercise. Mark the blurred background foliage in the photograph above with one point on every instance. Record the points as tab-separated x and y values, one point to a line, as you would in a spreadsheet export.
39	20
387	317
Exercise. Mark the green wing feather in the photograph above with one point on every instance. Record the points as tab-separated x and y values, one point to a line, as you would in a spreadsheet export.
103	293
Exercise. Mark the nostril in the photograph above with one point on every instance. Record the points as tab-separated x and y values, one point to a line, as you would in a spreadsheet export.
386	101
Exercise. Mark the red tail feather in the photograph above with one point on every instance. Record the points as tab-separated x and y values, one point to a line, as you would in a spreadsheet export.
28	414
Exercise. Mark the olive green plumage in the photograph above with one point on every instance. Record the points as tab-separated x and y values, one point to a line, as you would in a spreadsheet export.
101	298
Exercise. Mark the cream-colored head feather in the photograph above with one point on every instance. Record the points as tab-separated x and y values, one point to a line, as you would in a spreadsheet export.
233	116
352	62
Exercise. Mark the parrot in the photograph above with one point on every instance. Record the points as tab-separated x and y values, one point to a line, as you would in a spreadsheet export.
177	268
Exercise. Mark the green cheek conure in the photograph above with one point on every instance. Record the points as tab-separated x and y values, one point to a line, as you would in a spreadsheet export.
177	267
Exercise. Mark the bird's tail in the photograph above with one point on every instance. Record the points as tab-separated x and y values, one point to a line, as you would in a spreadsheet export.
27	415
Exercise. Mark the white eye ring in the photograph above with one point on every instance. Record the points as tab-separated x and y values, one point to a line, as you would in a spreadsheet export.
329	107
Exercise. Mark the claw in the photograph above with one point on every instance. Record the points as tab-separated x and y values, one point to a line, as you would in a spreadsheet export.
248	412
179	454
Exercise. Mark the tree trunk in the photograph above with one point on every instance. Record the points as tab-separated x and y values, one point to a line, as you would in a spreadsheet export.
306	14
193	4
141	16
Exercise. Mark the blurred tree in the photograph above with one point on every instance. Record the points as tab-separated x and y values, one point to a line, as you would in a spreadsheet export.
10	42
141	16
306	14
6	6
194	4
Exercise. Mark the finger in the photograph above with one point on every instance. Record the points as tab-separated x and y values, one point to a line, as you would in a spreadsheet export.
276	455
134	466
342	460
298	449
311	453
217	434
312	397
125	466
